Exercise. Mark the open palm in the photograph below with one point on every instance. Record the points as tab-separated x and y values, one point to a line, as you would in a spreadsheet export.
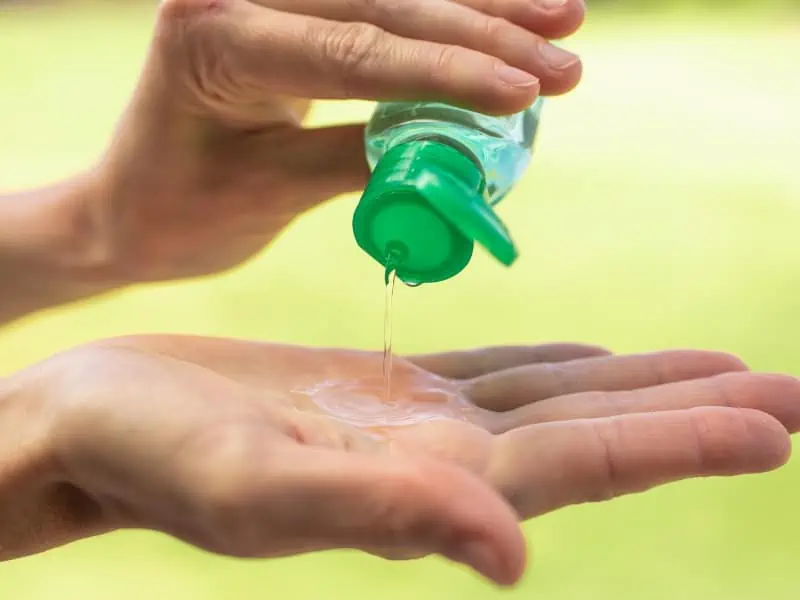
254	449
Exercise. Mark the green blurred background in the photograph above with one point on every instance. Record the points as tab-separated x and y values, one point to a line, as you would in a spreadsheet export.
663	211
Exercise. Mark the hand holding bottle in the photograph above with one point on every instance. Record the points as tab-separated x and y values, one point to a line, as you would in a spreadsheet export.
211	161
260	450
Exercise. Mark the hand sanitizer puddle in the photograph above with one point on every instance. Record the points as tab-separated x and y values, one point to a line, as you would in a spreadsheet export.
363	403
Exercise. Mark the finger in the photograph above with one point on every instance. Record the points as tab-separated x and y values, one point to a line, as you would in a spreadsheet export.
552	19
544	467
456	24
243	52
512	388
468	364
776	395
318	499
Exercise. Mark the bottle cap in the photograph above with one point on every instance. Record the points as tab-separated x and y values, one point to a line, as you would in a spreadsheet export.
422	211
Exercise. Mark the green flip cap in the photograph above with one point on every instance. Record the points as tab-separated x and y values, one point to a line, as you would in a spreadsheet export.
423	209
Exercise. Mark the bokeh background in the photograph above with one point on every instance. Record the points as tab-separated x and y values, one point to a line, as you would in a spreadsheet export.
663	210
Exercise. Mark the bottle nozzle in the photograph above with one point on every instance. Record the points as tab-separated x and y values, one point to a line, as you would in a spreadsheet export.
424	209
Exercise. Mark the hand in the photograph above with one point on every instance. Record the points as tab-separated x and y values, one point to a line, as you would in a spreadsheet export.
260	450
211	160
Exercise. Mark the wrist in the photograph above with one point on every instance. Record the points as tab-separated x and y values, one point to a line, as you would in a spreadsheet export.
26	427
52	246
57	228
27	470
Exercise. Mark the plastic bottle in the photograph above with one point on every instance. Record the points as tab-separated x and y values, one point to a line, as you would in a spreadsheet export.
437	172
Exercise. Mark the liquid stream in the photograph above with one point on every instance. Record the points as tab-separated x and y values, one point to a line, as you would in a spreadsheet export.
391	279
370	403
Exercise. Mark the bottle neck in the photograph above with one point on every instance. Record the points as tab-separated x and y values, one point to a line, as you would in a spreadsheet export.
432	155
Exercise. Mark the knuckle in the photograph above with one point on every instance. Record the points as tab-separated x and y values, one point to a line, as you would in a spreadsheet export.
445	57
203	55
701	429
494	27
351	47
715	437
738	440
731	388
662	368
443	61
605	484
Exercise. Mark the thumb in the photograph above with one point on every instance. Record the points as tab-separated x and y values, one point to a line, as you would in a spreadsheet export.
324	162
399	508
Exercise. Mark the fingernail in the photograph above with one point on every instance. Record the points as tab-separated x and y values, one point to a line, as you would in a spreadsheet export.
551	4
477	554
513	76
557	58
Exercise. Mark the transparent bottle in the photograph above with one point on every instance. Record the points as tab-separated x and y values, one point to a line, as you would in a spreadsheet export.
437	172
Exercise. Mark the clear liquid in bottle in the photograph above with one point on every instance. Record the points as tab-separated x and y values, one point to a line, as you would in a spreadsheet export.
501	146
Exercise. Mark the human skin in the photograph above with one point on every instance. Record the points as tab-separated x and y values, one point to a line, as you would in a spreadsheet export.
231	446
210	160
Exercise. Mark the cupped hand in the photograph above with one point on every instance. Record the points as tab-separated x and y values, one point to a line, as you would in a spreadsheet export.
258	450
211	160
